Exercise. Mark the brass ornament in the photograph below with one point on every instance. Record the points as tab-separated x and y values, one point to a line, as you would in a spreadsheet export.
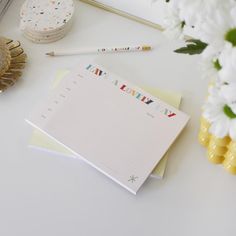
12	61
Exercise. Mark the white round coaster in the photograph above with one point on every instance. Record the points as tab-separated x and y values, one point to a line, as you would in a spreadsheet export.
49	34
46	17
40	40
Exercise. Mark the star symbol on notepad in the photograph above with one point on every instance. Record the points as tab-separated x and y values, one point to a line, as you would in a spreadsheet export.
132	178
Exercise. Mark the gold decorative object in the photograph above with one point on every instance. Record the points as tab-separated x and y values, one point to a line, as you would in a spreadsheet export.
12	61
219	150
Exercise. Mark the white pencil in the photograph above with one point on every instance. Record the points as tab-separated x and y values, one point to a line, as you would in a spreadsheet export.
100	50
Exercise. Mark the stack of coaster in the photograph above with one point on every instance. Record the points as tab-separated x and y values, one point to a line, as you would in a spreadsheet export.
46	21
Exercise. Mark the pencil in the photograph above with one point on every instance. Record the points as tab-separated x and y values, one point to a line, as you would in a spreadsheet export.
100	50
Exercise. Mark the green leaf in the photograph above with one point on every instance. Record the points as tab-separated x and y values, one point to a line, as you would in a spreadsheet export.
228	112
194	46
231	36
217	64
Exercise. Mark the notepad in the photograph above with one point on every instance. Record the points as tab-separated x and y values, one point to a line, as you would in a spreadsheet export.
4	4
144	11
41	141
111	124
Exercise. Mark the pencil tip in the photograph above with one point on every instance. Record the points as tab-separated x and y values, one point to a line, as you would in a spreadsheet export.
50	53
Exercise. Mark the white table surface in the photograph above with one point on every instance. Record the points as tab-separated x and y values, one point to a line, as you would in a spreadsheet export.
46	195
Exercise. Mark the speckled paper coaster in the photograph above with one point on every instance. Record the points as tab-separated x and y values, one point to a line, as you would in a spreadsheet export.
45	21
44	38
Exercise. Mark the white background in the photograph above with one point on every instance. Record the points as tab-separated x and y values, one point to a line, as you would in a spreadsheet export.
44	194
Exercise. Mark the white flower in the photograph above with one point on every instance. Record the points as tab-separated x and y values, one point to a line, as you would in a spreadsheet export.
210	64
227	60
227	74
219	26
195	11
228	55
220	115
209	70
228	92
173	24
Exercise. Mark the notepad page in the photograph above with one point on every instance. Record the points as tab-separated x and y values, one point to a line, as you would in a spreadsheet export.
145	9
117	133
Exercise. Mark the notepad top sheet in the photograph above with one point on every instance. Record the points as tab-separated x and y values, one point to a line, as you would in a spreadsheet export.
112	124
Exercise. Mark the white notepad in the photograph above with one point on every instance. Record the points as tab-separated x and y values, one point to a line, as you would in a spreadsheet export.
145	11
110	123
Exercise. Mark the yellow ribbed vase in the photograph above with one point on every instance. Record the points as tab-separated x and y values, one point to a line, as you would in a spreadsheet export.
219	150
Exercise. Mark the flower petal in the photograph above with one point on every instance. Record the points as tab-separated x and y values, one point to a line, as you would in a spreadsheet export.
220	128
232	130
